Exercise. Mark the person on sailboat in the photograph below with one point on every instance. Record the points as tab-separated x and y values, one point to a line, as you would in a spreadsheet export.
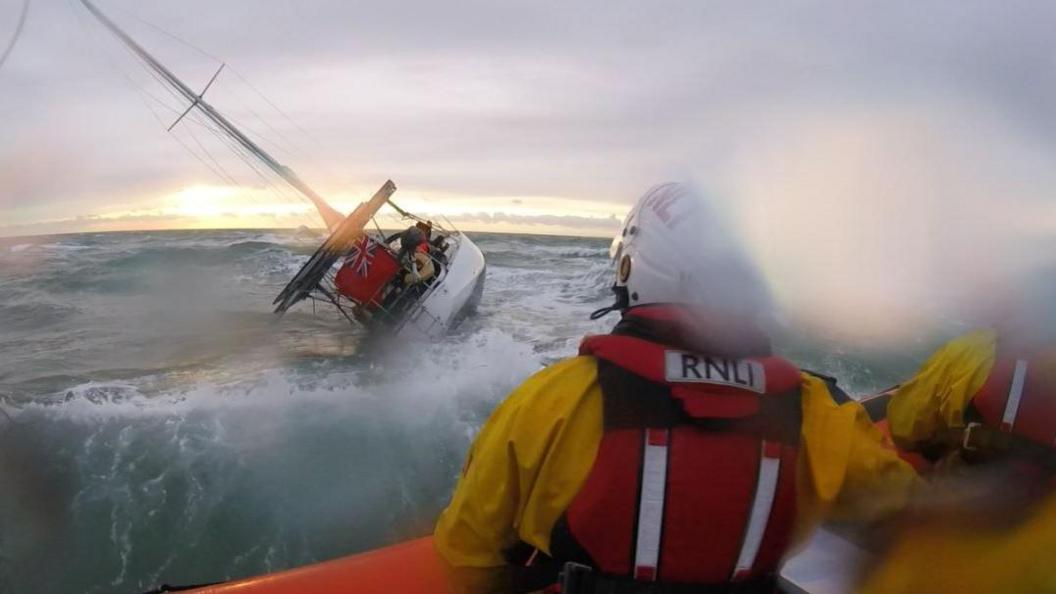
983	409
677	453
426	227
414	255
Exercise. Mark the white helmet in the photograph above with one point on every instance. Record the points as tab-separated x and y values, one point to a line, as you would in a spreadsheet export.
673	249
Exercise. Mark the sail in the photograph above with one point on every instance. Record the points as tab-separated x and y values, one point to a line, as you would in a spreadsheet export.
340	242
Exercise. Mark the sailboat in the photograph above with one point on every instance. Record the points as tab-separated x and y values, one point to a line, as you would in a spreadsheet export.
380	282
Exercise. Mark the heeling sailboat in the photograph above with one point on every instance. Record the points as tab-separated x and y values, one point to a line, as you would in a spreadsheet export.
370	286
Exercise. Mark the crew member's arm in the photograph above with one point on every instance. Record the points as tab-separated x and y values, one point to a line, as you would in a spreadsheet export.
424	266
513	487
961	554
924	409
847	470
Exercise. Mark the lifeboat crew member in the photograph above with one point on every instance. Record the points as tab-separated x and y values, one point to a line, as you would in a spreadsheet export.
676	454
987	392
983	407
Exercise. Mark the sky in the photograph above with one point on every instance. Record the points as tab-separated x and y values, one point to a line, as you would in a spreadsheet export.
914	137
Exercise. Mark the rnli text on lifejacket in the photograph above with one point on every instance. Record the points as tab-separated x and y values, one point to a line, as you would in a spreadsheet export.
683	366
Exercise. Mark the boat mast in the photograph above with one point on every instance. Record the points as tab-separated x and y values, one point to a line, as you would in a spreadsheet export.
331	217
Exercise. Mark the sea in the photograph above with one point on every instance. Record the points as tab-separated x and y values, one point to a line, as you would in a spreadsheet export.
161	425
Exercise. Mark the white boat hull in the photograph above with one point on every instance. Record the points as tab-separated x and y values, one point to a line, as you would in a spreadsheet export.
828	564
455	292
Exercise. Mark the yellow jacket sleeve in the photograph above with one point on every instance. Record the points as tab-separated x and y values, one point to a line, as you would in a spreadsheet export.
959	556
846	469
513	488
933	402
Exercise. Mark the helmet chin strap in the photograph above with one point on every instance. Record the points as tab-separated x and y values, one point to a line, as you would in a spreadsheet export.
623	301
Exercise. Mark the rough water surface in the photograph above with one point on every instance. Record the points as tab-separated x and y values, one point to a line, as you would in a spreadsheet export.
163	427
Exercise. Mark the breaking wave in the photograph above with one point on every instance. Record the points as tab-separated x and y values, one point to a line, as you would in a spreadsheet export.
165	428
179	434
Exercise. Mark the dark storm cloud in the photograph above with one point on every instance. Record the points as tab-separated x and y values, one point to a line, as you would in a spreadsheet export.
592	100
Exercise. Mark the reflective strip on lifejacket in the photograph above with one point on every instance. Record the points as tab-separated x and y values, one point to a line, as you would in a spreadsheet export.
1015	394
765	490
651	504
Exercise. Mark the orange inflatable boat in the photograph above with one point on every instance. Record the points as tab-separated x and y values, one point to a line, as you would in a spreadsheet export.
408	568
824	566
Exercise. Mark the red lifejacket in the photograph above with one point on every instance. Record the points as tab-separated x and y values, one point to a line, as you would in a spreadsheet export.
1019	397
694	479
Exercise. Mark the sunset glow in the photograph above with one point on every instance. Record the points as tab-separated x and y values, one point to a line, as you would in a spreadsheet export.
234	207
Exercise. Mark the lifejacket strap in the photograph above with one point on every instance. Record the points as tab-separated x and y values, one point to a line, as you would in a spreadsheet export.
979	441
653	490
762	505
1015	396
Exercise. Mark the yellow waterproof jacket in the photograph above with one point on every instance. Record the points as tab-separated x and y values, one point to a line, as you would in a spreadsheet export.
963	557
931	405
535	452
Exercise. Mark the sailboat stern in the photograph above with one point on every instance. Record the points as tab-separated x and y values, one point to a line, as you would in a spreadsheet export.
454	295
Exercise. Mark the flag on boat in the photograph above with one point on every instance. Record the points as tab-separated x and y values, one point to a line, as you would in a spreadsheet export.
361	255
367	269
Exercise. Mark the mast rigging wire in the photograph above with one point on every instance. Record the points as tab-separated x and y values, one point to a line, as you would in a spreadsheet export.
269	179
277	182
18	33
230	68
273	182
145	95
294	149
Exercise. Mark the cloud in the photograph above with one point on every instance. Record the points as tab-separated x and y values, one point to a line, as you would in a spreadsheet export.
96	223
594	225
512	222
588	102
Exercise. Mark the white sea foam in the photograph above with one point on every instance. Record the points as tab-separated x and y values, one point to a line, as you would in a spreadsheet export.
197	452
